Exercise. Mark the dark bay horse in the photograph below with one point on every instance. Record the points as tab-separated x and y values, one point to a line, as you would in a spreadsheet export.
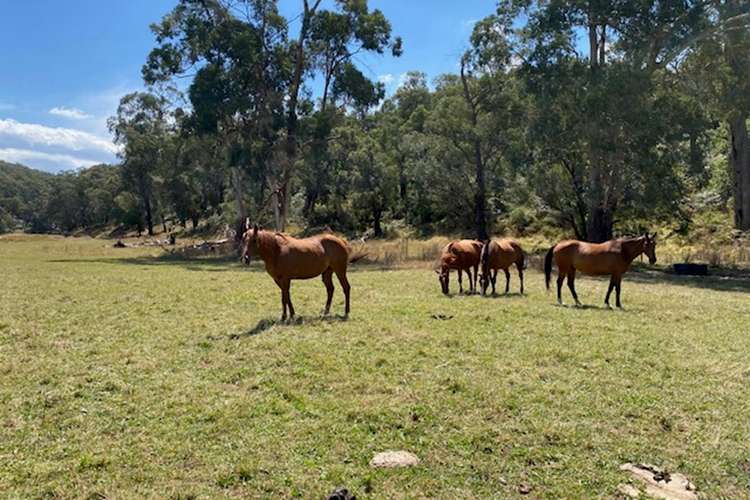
599	259
288	259
461	255
500	254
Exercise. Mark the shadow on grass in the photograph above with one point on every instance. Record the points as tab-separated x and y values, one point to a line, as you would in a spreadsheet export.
206	264
268	323
719	279
222	263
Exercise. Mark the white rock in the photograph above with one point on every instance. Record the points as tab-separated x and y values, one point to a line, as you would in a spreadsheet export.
394	459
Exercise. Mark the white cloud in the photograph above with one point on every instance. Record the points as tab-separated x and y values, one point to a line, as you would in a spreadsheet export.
72	113
66	138
14	155
386	79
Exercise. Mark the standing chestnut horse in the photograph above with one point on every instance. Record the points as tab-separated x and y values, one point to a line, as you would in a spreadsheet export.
288	259
599	259
500	254
461	255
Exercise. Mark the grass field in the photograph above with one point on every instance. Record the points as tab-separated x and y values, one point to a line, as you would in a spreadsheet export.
124	375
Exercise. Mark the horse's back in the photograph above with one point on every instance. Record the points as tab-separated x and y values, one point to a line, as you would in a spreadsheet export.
464	253
589	258
305	258
504	252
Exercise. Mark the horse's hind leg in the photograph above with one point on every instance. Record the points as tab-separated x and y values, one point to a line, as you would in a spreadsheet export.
560	279
572	285
460	282
507	280
519	265
341	275
328	282
476	275
609	290
618	287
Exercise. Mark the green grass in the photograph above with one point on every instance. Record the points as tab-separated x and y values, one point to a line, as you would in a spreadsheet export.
126	375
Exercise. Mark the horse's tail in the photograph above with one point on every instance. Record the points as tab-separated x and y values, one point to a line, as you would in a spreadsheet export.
358	254
521	263
548	267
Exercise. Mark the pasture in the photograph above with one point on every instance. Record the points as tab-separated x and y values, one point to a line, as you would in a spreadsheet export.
123	374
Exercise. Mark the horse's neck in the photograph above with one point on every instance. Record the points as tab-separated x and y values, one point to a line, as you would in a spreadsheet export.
632	249
268	247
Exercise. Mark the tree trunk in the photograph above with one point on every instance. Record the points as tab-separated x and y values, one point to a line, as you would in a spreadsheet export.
403	188
282	196
239	198
600	221
480	203
739	163
600	224
149	215
377	215
480	199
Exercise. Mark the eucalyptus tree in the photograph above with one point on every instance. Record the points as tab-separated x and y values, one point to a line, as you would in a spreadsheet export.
140	128
475	112
717	70
250	76
614	126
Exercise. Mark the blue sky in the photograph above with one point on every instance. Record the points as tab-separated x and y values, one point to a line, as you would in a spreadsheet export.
65	64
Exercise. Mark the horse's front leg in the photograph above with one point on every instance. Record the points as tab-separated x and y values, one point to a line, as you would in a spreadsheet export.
460	282
507	281
286	301
494	281
476	275
280	283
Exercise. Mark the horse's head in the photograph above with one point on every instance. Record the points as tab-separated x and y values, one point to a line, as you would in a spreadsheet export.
443	273
649	247
249	242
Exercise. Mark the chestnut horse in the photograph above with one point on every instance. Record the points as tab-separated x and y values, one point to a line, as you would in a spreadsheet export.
461	255
288	259
500	254
599	259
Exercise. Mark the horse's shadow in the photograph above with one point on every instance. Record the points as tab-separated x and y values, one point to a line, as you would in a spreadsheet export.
268	323
593	307
503	295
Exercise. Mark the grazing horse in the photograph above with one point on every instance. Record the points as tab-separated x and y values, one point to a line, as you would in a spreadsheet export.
461	255
500	254
288	259
599	259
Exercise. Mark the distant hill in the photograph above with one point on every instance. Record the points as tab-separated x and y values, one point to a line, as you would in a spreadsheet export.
23	194
39	202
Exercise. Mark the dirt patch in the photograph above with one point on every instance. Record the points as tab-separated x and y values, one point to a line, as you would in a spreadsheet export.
657	483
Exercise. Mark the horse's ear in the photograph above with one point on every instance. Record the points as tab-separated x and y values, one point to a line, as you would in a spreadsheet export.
653	237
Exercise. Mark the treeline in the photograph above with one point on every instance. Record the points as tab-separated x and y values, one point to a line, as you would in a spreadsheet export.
596	118
39	202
